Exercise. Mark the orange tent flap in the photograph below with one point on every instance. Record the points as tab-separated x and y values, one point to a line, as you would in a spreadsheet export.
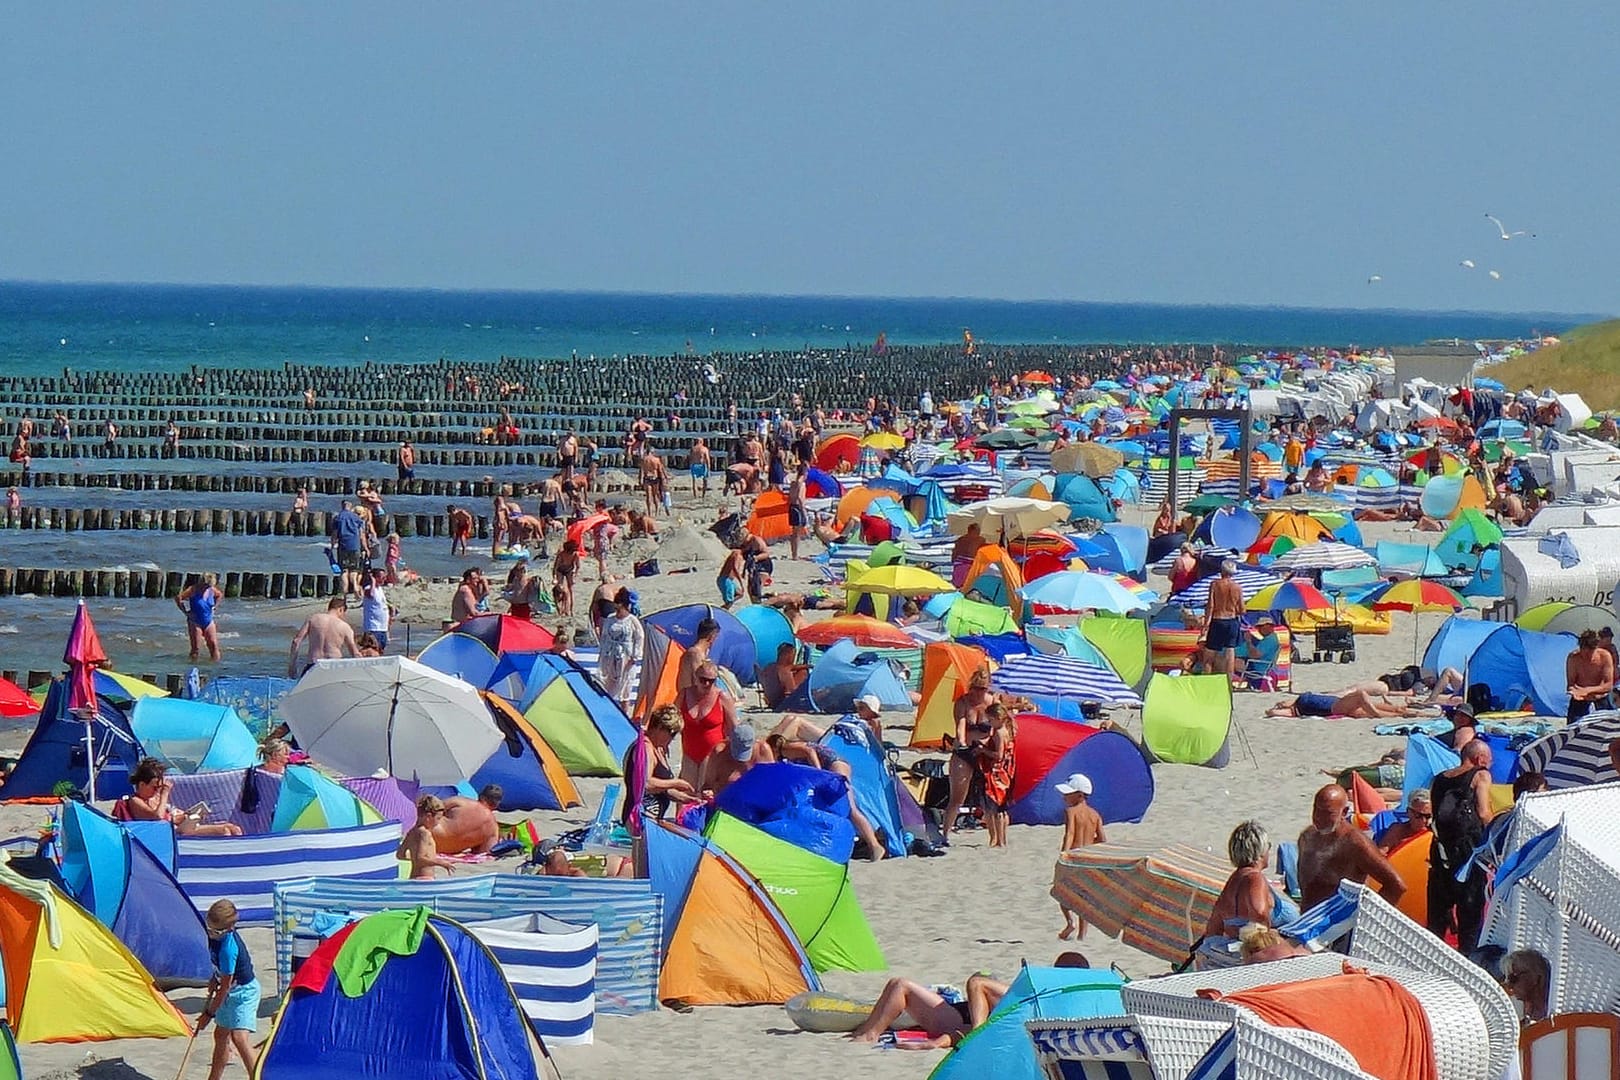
725	952
947	667
853	503
1364	797
993	555
769	521
1411	861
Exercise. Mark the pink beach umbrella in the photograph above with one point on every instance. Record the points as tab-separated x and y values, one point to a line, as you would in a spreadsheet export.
82	654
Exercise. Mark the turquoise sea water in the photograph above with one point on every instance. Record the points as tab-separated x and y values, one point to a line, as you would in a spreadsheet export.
46	327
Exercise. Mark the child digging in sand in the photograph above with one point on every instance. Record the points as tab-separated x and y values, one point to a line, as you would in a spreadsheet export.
1081	826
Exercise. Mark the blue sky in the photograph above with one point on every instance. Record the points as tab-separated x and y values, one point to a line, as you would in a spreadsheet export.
1249	153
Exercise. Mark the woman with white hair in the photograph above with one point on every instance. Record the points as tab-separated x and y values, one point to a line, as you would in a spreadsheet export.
1248	897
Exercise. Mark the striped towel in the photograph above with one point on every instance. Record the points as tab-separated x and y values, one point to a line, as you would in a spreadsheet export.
551	965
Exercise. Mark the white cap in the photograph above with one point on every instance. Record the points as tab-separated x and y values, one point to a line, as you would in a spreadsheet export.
871	701
1077	784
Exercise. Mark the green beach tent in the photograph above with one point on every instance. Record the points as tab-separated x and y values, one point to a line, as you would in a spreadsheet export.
813	893
1124	642
968	617
1186	719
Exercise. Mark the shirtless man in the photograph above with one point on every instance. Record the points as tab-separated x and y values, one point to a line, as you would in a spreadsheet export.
740	752
697	654
405	461
552	510
469	824
653	481
461	529
1223	617
730	578
798	518
1590	671
329	635
499	520
472	589
418	846
1333	849
1419	819
698	460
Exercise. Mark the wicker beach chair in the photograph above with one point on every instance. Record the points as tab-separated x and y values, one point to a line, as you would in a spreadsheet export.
1148	1047
1462	1045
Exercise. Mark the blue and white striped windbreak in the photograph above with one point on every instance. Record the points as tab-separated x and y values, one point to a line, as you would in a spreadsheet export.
1059	677
1220	1060
1576	755
1195	597
1521	863
551	965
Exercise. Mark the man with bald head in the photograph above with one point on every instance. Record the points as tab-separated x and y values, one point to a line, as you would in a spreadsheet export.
1462	809
1333	849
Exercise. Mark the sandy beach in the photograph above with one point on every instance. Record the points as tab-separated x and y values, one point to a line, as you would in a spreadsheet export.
938	920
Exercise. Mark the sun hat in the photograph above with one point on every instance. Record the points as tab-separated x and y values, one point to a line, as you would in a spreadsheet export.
871	701
741	742
1076	784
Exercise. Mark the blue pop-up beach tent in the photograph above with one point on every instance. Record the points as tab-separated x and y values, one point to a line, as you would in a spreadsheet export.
999	1047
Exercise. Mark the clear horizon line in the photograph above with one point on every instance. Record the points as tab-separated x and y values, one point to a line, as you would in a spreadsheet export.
466	291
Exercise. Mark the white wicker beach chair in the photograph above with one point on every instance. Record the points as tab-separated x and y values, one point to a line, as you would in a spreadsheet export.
1383	935
1121	1048
1462	1043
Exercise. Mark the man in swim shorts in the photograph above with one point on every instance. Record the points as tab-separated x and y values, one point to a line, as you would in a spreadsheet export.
1223	626
1356	702
697	463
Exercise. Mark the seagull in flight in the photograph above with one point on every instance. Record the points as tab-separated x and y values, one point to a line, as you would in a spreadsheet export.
1503	229
1374	278
1467	264
1496	275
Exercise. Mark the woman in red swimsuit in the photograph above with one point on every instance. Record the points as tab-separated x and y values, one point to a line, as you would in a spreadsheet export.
708	714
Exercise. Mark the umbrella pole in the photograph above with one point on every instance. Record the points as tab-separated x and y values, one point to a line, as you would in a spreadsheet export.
90	758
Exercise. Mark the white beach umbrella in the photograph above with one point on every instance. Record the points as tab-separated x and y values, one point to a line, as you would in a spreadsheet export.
356	716
1013	516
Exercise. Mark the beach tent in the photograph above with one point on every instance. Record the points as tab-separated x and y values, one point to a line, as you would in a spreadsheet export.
814	894
806	807
1049	751
310	800
574	716
995	577
946	668
820	484
1085	497
769	520
192	736
968	618
926	501
725	940
506	633
846	672
1229	527
1414	560
1124	642
1298	527
401	993
1487	579
1063	641
67	978
1123	486
873	786
254	697
732	650
1470	528
1517	665
1120	547
131	892
463	656
1560	617
55	754
1448	496
531	774
1187	719
1000	1047
770	630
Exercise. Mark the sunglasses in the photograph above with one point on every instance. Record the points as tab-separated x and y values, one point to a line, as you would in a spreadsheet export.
705	682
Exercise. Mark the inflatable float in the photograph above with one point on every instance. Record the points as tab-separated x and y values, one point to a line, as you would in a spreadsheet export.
818	1011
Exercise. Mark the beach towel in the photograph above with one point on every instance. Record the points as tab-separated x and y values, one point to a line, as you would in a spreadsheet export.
372	942
1375	1018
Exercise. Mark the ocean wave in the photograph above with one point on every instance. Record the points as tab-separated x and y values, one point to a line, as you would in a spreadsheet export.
9	628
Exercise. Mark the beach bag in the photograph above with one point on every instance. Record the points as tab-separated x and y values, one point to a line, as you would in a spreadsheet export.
248	801
1479	698
647	568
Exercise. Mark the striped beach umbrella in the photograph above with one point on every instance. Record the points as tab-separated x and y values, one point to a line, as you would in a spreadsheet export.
1576	755
1059	677
1324	555
1153	899
1195	597
1290	596
1416	594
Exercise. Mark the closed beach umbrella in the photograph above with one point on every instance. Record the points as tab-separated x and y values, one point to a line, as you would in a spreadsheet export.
356	716
1324	555
1081	590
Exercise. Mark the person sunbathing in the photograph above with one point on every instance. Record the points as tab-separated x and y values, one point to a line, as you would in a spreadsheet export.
1357	703
945	1022
1258	944
150	802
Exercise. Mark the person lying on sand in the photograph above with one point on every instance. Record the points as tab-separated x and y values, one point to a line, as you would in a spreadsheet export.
945	1022
1358	703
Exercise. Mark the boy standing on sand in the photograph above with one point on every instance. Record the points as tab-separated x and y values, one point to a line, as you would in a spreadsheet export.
419	846
233	993
1081	826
